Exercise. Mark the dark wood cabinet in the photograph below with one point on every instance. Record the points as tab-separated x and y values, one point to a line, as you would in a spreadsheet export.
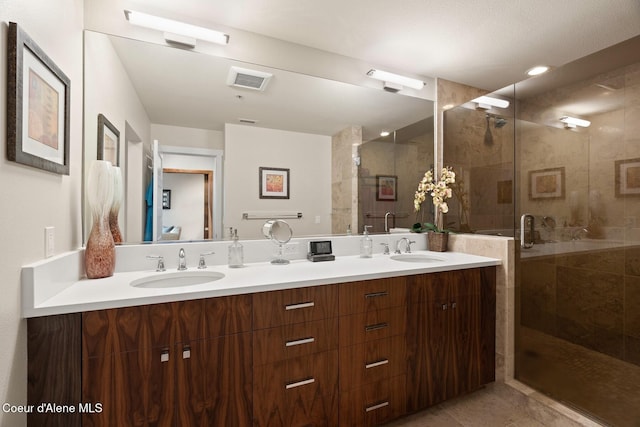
295	357
185	363
372	351
450	335
351	354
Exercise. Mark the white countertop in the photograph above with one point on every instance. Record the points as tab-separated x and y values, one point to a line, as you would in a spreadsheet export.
116	291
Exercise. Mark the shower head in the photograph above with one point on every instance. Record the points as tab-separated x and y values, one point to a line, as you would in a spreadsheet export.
498	122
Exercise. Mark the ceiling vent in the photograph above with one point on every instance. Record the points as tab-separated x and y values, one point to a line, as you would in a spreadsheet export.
248	79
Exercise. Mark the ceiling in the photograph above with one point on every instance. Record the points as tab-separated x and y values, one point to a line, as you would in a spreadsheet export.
488	44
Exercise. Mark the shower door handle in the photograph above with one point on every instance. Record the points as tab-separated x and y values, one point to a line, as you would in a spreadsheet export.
527	224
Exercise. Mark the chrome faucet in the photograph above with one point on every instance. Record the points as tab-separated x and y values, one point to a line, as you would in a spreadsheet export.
578	233
407	245
182	260
386	221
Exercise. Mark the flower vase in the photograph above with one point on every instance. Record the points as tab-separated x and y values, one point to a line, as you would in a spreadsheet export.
100	253
437	242
115	205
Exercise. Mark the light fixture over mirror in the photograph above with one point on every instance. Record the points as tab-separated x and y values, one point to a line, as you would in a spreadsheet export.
395	79
188	34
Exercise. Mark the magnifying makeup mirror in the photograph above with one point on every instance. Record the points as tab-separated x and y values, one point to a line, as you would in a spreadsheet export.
279	232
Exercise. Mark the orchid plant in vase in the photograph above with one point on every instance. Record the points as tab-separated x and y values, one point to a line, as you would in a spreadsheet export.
439	191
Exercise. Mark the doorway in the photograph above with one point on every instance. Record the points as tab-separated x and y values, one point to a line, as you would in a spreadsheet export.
187	204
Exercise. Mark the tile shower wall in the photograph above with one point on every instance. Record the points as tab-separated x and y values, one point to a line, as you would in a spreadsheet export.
589	299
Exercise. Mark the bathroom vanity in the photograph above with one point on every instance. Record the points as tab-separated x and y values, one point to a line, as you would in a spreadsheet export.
360	343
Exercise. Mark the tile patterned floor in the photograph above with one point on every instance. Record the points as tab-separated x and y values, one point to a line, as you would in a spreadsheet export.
497	405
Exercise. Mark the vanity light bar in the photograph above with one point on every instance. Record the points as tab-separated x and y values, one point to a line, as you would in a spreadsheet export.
385	76
572	122
176	27
486	102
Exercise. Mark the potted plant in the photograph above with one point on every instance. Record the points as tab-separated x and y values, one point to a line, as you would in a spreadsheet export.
440	191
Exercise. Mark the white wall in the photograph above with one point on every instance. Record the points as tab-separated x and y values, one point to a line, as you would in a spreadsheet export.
108	91
32	199
187	137
307	156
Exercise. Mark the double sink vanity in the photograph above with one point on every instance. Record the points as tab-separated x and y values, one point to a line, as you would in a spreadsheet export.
351	342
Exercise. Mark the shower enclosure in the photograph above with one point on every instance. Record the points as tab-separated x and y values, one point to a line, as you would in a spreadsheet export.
577	307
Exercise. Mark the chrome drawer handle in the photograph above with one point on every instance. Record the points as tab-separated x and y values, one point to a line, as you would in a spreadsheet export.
164	356
301	305
299	342
377	294
186	352
376	327
300	383
378	406
378	363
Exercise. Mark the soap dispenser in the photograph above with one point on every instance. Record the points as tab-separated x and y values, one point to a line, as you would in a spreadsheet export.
366	243
236	255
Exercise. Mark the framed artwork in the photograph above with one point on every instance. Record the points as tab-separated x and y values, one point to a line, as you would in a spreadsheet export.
38	102
108	141
274	183
546	184
166	199
387	187
627	177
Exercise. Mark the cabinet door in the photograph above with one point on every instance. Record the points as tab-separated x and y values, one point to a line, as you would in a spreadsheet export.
465	338
127	367
134	388
427	340
214	381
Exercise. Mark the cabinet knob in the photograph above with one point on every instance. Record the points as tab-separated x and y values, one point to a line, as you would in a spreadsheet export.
186	352
164	356
453	304
444	307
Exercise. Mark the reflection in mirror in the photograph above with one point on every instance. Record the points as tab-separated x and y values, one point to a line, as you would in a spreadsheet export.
311	126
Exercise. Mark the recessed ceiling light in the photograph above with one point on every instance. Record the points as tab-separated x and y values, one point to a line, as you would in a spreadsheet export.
537	70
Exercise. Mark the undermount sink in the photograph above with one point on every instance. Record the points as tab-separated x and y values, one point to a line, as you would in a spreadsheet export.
177	279
416	258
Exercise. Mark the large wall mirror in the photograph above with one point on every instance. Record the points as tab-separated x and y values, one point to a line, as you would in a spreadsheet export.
213	137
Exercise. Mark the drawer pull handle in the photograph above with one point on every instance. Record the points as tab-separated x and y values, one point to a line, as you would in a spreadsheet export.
301	305
375	327
300	342
164	356
378	363
300	383
377	294
186	352
378	406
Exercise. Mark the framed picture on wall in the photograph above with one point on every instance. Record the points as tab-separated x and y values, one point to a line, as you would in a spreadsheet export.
627	177
38	102
546	184
386	187
108	141
274	183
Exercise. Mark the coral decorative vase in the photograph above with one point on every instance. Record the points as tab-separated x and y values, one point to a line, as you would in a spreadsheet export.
100	253
437	241
115	205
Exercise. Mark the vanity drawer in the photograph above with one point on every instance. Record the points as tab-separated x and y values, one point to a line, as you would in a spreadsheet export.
358	297
374	404
298	339
372	361
372	325
289	306
299	391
